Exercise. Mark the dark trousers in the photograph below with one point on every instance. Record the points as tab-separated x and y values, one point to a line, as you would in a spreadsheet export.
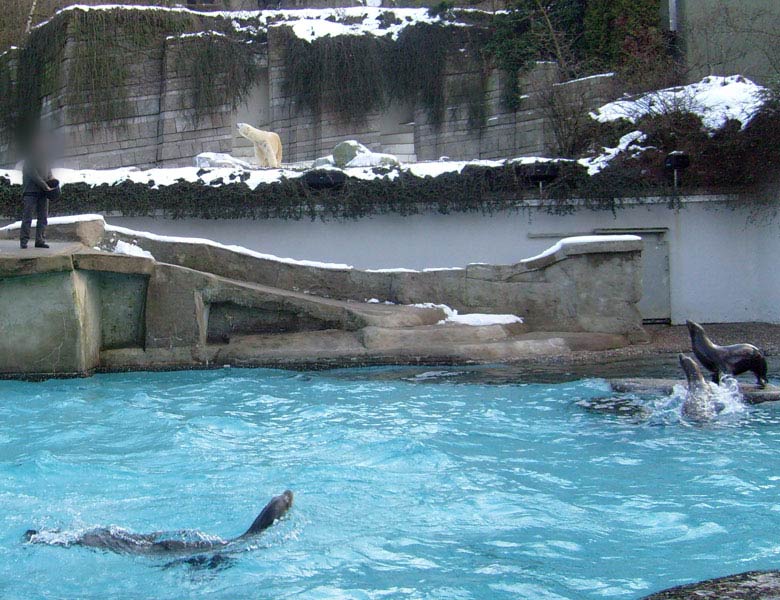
38	206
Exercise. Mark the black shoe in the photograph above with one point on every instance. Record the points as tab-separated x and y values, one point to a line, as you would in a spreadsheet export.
41	245
23	245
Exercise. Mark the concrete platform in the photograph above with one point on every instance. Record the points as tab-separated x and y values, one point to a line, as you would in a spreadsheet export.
664	387
81	306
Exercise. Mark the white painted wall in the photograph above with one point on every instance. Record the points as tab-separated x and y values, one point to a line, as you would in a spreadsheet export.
722	258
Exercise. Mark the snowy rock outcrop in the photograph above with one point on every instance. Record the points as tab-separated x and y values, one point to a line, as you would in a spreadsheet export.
354	154
213	160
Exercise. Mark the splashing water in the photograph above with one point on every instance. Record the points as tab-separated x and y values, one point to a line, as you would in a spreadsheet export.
725	398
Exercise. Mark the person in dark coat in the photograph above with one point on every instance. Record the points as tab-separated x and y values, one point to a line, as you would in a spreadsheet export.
35	175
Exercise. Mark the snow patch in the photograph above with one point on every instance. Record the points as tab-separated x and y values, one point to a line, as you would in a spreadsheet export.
57	221
216	169
597	163
220	160
374	159
157	178
310	25
482	320
238	249
131	250
436	168
472	319
714	99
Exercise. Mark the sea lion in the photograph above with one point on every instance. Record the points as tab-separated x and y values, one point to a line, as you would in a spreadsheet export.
699	403
733	360
165	543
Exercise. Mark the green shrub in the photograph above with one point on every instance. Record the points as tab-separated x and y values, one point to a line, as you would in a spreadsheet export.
476	189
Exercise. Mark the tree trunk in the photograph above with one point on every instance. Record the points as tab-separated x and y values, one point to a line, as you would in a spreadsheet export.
33	6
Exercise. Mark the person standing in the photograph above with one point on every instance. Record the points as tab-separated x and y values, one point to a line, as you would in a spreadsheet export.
35	175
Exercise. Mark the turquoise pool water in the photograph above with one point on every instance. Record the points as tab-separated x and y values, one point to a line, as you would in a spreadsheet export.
408	485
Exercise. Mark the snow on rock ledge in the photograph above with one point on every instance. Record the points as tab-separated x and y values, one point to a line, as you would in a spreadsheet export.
714	99
571	245
361	166
581	242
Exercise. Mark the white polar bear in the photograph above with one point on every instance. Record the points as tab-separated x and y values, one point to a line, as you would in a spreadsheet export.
268	145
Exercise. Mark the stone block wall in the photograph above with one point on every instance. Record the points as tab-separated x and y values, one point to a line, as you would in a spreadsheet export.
306	136
158	127
180	136
130	139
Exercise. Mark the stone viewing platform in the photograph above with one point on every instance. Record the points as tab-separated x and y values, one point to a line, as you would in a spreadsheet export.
107	298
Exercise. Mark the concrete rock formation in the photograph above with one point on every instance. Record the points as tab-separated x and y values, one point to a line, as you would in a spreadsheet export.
753	585
77	308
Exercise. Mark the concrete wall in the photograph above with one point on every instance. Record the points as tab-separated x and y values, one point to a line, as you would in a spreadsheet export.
159	128
721	253
724	37
58	332
73	309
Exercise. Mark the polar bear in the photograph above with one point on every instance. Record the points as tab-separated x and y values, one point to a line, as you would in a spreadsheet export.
268	146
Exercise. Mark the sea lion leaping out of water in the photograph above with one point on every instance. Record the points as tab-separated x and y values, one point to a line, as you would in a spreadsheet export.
165	543
732	360
699	404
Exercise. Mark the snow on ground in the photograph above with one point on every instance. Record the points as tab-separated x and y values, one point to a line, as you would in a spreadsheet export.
157	178
472	319
582	239
436	168
714	99
131	250
481	320
308	24
631	140
252	178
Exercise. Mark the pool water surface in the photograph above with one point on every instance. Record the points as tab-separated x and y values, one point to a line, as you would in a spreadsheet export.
408	484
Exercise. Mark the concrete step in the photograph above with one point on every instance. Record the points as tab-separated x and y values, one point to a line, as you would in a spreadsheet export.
448	333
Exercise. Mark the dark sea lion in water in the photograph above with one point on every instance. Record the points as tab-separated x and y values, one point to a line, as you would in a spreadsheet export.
733	360
753	585
699	404
166	543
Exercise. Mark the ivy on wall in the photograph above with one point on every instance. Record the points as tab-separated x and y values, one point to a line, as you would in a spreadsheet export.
221	71
110	48
110	43
355	75
476	189
347	75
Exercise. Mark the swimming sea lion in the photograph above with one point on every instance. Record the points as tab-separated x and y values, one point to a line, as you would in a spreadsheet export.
166	543
699	404
734	360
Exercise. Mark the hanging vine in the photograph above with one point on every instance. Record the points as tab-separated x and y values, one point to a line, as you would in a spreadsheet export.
221	71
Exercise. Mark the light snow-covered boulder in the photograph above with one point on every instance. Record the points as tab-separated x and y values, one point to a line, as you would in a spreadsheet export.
374	159
324	161
345	152
206	160
354	154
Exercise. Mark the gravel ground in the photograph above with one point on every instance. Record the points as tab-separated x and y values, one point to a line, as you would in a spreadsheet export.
673	339
658	358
